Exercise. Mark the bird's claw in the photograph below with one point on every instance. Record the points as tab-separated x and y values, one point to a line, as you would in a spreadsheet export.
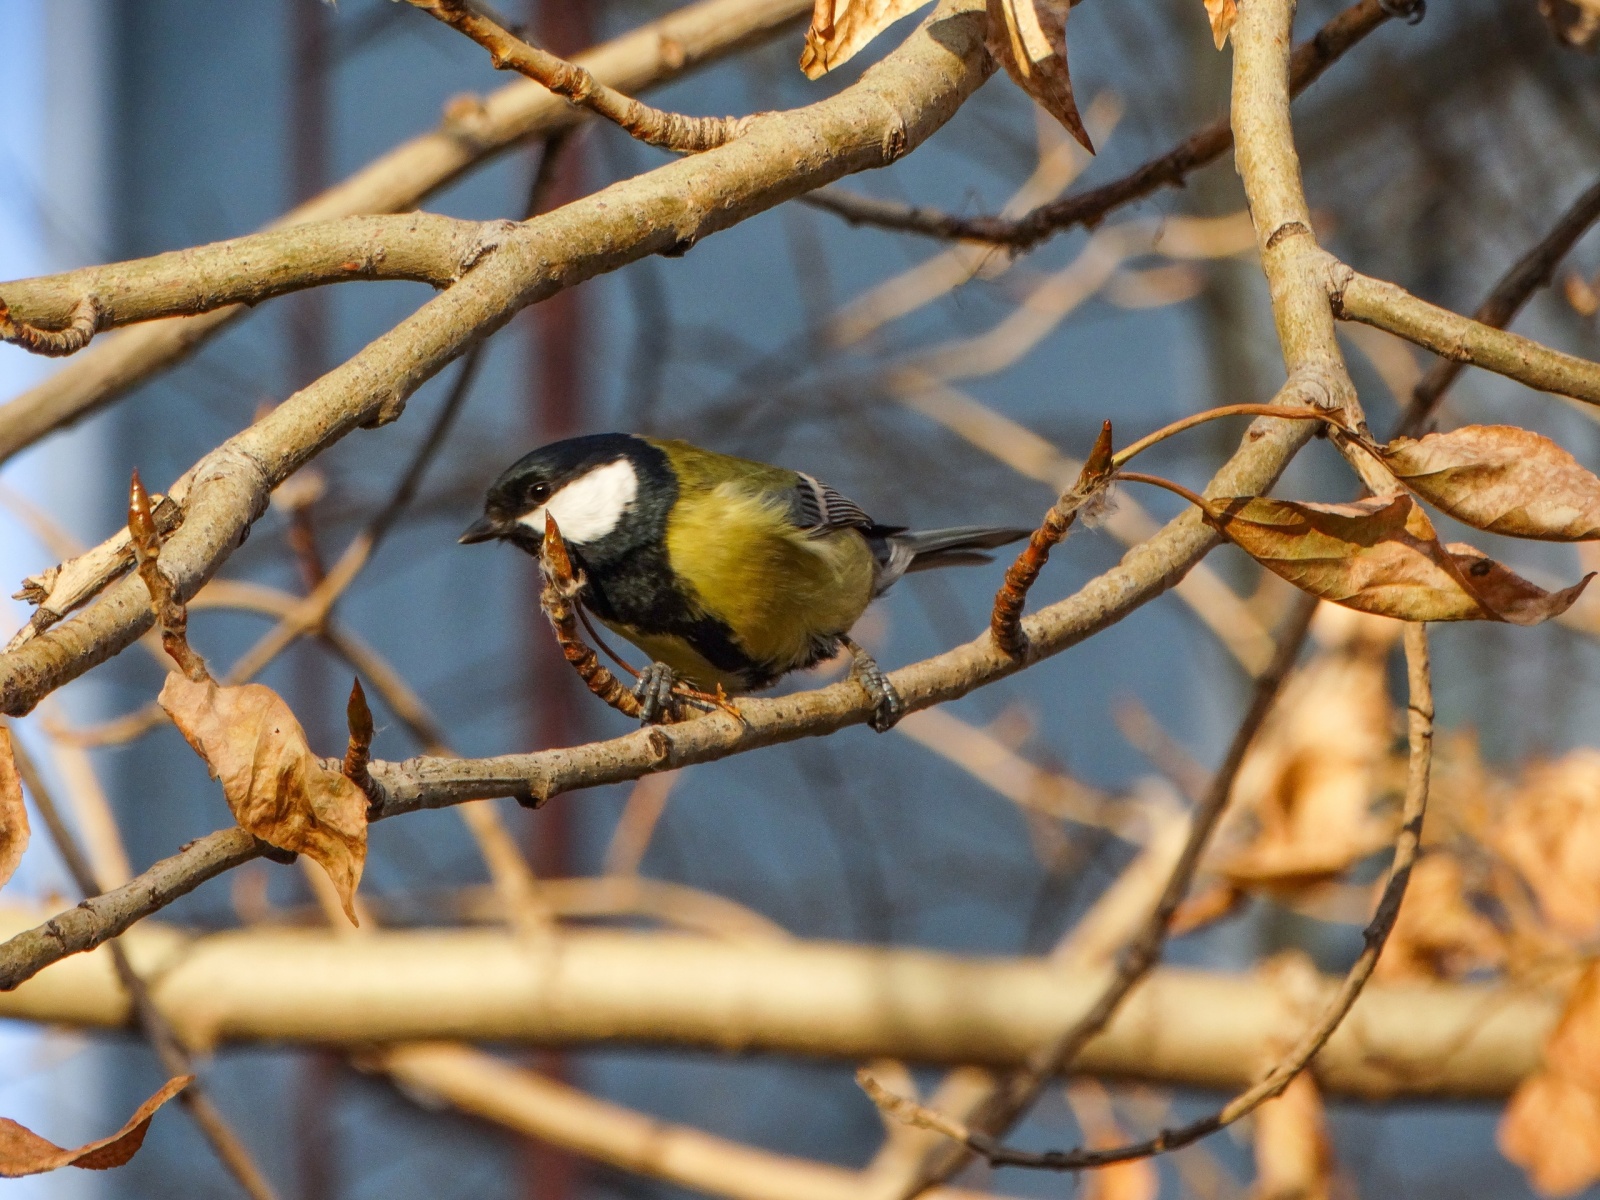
887	707
657	704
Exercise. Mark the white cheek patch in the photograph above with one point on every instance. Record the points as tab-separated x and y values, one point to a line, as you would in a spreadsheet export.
591	505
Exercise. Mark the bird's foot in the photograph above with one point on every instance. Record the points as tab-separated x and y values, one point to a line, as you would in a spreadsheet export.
657	705
887	707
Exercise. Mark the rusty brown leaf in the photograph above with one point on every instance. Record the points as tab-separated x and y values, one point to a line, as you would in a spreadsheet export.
839	28
1302	804
1223	14
1294	1157
1551	834
23	1152
13	812
1501	479
1382	556
1029	39
277	788
1551	1127
1134	1180
1438	934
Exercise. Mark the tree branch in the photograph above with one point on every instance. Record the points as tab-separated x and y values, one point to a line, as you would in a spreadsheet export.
163	1038
247	270
1526	276
1460	340
843	1002
1089	208
669	130
470	135
895	106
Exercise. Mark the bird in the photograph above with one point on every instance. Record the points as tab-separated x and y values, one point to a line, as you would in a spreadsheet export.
728	573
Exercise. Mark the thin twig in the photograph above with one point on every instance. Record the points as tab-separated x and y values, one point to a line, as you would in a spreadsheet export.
163	1038
559	598
1530	272
1005	621
658	127
1089	208
1376	934
1020	1089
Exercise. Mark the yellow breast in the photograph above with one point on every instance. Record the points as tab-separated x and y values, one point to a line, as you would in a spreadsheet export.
777	589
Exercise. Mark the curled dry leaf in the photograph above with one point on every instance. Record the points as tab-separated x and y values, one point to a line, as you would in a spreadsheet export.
1382	556
1580	294
1302	804
1438	934
1029	39
13	812
277	788
1223	14
1551	1127
1551	834
1501	479
1133	1180
1294	1157
839	28
23	1152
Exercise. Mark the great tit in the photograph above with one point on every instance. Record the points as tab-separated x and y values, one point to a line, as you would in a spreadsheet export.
726	572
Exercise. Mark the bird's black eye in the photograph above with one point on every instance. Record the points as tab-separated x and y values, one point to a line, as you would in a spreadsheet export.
539	493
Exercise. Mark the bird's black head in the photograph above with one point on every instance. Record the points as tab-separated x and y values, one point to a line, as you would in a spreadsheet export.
606	490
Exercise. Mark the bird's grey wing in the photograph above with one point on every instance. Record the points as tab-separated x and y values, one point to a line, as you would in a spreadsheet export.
818	510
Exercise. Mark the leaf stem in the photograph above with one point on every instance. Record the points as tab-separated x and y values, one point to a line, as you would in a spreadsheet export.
1227	410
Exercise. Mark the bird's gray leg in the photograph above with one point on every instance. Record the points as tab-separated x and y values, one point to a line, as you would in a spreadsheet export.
654	691
887	707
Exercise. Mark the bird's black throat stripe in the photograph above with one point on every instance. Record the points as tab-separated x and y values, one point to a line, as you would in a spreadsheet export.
640	590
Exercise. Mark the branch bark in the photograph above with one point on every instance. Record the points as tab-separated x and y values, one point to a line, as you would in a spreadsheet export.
669	130
839	1001
1460	340
891	110
470	135
1088	208
422	247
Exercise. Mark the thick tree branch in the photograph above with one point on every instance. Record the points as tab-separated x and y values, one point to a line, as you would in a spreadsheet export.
471	134
846	1002
892	109
669	130
247	270
1088	208
1460	340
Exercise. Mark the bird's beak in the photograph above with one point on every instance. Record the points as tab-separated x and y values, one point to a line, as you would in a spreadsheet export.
484	529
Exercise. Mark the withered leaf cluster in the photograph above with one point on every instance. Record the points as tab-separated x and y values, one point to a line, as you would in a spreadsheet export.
254	746
1027	37
1382	555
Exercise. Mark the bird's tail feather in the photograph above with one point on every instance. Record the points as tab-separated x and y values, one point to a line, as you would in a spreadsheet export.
963	545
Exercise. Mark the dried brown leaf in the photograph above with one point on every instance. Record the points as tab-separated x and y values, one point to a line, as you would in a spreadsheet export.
23	1152
1551	834
1294	1157
1382	556
839	28
1133	1180
1029	39
1580	294
277	788
1501	479
13	812
1438	934
1551	1127
1302	803
1223	14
